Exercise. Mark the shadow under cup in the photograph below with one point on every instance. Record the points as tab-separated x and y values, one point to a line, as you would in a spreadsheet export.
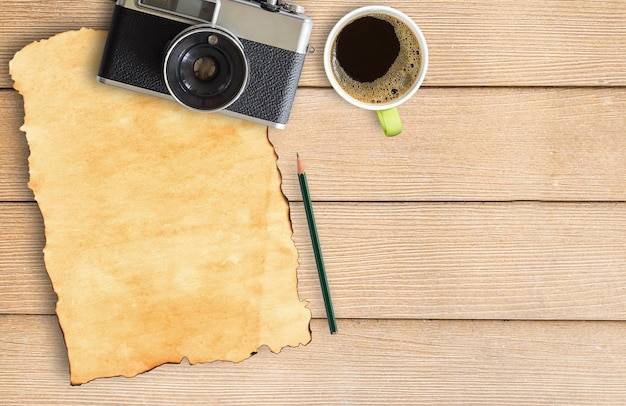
375	58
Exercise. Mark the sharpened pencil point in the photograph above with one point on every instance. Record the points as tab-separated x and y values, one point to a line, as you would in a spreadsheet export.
300	166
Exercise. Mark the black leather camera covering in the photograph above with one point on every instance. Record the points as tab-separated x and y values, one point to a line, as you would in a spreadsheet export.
135	50
272	83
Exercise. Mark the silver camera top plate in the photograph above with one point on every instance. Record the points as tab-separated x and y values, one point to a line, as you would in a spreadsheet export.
245	19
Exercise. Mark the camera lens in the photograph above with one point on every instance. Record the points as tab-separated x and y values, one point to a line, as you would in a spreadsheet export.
205	68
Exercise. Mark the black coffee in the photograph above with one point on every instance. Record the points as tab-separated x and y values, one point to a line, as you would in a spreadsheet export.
367	48
376	58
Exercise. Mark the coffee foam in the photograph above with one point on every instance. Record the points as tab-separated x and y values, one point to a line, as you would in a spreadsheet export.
399	78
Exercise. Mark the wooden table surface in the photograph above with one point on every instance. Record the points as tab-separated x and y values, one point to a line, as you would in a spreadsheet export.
477	258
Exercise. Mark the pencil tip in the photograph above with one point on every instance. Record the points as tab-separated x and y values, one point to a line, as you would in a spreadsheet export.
299	162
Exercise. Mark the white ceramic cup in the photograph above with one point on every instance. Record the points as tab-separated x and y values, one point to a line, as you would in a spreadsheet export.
387	111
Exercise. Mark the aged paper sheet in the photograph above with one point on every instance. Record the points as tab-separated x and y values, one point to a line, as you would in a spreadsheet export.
167	235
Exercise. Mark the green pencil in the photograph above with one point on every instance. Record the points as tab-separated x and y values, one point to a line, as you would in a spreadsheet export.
319	261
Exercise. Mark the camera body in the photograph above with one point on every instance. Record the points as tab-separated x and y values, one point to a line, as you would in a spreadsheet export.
239	57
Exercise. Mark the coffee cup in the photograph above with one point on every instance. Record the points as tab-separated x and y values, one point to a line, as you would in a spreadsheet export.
376	58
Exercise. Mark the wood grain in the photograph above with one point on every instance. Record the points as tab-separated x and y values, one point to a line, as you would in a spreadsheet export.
503	199
462	144
471	43
13	149
537	261
368	362
502	43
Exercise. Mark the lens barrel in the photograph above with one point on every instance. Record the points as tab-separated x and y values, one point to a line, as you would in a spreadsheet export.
205	68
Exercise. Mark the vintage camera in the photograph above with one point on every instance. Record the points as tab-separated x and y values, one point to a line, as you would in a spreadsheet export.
242	58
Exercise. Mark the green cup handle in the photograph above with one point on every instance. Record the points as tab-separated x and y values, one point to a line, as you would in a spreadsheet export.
390	121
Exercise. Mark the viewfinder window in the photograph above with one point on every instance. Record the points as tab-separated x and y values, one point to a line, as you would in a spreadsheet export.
196	9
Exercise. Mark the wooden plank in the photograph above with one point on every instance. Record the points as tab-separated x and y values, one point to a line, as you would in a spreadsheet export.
504	42
471	43
368	362
465	144
13	150
461	144
25	21
539	261
469	261
24	283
